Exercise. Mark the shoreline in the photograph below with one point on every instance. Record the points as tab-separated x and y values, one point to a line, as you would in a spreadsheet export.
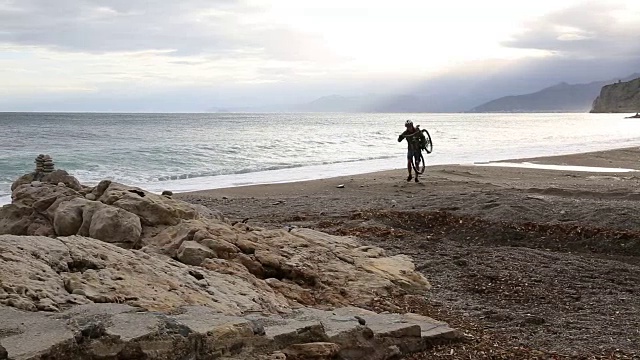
243	181
620	160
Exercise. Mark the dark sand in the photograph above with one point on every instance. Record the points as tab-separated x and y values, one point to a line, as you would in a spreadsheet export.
530	263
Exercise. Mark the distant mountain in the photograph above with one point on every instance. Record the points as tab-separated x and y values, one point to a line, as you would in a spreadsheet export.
453	93
379	104
562	97
621	97
335	103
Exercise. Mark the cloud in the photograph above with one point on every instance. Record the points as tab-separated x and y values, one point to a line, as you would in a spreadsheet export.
223	28
590	29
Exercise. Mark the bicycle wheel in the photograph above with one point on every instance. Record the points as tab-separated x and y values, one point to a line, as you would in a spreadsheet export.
419	165
428	146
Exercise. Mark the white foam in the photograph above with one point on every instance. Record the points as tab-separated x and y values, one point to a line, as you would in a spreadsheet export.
273	176
4	200
528	165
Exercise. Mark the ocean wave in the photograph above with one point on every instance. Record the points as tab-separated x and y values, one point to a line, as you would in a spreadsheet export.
256	169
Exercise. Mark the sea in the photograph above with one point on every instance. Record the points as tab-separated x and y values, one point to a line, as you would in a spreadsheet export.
187	152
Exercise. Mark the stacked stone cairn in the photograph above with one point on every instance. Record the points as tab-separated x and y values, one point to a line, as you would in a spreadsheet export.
44	164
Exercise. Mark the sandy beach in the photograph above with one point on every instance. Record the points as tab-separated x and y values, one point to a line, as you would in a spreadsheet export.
530	263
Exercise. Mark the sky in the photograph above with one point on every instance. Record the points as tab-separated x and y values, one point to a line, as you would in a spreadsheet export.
196	55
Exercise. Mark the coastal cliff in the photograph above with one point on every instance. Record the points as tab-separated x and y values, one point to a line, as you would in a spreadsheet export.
622	97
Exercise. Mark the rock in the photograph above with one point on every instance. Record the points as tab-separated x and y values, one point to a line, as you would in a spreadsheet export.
622	97
151	208
276	356
39	271
3	353
115	225
124	303
23	220
206	213
222	248
90	196
61	176
315	350
28	195
341	186
101	188
15	219
116	331
192	253
22	180
167	193
270	259
68	217
284	266
393	352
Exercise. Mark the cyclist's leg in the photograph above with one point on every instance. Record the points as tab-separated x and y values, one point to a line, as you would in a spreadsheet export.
409	165
416	159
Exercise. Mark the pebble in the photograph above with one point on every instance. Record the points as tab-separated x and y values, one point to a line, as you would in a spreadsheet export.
341	186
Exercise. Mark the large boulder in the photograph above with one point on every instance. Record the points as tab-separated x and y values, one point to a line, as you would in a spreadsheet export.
103	222
60	205
115	225
62	177
192	253
37	192
23	180
152	209
23	220
67	218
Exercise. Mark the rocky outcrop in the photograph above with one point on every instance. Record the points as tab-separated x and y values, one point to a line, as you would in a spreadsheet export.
115	331
170	241
77	253
50	274
622	97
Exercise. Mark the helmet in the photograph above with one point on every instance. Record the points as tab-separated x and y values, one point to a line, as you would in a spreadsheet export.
408	123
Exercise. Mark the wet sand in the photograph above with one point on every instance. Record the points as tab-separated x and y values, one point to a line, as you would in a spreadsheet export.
530	263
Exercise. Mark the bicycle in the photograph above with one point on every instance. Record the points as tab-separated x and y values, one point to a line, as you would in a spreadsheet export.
418	163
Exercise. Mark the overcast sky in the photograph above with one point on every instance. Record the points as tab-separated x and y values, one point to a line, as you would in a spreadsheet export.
191	55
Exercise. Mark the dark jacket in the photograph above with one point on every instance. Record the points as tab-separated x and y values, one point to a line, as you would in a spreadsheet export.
415	138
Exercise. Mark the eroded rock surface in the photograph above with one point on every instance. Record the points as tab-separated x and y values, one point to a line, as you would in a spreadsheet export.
276	267
43	273
116	272
115	331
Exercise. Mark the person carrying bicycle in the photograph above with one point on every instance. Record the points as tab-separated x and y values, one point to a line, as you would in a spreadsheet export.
415	141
